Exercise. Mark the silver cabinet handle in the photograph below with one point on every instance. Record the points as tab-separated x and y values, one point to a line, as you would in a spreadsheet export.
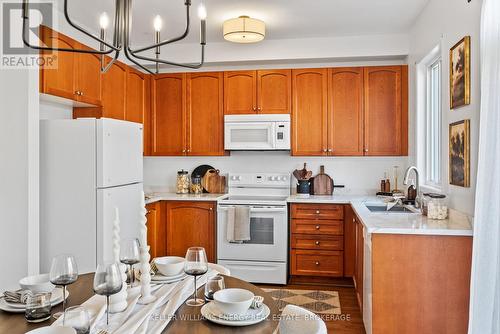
317	243
317	212
330	150
211	209
366	150
325	150
317	263
81	93
317	227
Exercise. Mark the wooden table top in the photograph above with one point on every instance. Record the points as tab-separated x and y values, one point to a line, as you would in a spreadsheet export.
81	290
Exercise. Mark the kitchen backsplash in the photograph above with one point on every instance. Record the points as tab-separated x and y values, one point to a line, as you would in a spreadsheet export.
360	175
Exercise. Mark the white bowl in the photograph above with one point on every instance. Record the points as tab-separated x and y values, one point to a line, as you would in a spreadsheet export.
233	302
37	283
170	265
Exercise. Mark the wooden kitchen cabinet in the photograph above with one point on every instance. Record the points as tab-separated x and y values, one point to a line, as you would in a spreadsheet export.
349	241
359	263
157	232
205	114
168	114
138	103
190	224
345	111
316	240
262	91
310	112
114	91
385	105
77	76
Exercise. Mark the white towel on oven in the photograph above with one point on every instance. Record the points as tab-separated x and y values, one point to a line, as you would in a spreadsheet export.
238	223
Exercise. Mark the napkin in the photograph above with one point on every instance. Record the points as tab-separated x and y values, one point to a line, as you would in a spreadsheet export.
18	296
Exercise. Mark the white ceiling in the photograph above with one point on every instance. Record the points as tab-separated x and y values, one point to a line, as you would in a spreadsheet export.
285	19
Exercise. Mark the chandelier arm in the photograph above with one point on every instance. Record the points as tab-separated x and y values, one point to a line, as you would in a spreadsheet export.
77	27
165	62
172	40
104	69
26	42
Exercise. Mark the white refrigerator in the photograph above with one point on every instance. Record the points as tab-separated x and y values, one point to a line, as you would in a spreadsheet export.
87	168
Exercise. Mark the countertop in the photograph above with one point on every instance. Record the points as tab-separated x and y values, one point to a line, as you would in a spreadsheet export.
457	224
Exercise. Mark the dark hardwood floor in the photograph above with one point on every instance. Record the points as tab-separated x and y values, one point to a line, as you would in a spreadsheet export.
350	321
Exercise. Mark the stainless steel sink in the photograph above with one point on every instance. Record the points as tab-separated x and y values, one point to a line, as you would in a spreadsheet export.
382	207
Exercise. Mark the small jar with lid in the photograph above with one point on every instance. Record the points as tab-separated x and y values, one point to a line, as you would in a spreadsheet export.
182	182
435	206
196	187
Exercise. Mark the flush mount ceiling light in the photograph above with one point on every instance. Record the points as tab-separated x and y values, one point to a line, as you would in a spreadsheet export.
244	29
121	38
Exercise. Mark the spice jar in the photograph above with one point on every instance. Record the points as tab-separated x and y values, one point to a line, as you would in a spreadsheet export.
182	182
435	206
196	187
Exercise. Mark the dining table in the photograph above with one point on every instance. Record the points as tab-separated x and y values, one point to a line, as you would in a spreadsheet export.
187	319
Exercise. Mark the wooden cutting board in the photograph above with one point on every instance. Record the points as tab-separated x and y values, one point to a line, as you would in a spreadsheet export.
213	182
322	183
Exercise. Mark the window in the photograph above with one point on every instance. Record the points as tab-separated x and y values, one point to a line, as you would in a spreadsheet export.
433	124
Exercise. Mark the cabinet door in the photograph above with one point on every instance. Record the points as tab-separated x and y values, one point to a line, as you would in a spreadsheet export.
88	80
309	114
205	116
168	114
137	103
358	274
114	90
191	224
274	89
59	81
345	114
349	241
240	92
157	233
382	100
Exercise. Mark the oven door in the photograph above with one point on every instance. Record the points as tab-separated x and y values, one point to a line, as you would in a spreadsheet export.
268	236
249	136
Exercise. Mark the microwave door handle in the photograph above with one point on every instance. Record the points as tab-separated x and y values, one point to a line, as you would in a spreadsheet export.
274	134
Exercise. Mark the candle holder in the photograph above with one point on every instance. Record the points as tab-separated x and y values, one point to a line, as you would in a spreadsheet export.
146	296
118	302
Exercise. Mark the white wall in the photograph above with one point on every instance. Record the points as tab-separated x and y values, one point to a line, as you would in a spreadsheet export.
445	22
360	175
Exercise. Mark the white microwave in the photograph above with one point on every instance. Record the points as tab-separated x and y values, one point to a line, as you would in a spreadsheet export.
260	132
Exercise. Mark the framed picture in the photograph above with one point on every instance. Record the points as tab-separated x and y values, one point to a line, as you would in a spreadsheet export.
459	153
460	73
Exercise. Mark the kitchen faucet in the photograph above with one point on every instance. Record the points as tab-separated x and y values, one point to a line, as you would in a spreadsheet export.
418	198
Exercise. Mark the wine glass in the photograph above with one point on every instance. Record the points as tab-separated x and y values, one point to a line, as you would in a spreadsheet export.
196	264
78	318
107	282
63	272
129	255
213	285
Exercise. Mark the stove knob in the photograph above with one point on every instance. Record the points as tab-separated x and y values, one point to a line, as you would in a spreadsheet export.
238	178
273	178
283	178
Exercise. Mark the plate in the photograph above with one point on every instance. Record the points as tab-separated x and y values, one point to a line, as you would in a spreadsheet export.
251	314
167	279
53	330
57	298
209	311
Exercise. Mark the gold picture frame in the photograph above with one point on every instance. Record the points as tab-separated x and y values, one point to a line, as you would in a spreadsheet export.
460	73
459	153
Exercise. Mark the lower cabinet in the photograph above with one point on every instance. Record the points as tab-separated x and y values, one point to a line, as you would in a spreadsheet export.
317	245
359	262
190	223
157	232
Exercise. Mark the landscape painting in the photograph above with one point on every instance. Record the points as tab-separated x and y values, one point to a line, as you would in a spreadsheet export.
460	73
459	153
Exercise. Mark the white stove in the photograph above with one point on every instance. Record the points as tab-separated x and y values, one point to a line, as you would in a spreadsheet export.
262	259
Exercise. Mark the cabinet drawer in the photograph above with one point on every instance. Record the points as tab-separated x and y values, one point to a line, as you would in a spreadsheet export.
323	227
318	211
317	263
318	242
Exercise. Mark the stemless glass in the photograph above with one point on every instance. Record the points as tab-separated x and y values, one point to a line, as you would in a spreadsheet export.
63	272
78	318
129	255
38	307
213	285
107	282
196	264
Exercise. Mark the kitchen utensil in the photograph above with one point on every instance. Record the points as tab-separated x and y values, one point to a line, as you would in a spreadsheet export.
201	170
170	265
213	182
323	184
253	316
302	174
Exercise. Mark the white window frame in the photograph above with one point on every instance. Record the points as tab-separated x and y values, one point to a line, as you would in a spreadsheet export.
424	151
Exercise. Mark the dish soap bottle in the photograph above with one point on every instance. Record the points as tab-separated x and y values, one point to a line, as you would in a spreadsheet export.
412	192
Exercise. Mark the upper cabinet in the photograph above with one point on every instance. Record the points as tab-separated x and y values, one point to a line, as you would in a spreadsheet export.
345	111
137	103
76	77
114	91
168	114
385	105
309	114
205	117
263	91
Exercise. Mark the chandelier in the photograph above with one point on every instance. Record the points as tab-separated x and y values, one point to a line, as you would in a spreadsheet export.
122	26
